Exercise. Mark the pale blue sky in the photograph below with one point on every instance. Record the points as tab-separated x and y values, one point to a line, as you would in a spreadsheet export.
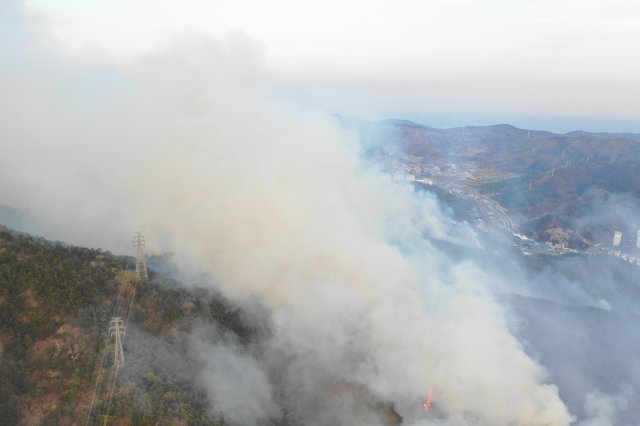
545	61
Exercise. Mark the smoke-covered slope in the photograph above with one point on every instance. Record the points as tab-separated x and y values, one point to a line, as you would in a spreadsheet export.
360	307
587	350
55	306
56	301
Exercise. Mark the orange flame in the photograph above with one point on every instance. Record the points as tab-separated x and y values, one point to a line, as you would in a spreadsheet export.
427	403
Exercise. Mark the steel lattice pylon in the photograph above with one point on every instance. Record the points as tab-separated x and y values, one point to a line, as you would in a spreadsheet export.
141	266
117	331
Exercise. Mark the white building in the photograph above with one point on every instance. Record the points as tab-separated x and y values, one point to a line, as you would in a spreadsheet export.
617	237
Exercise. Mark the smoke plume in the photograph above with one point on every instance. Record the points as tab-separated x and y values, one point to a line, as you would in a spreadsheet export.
189	145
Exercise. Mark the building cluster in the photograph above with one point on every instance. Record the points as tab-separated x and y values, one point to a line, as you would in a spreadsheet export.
617	252
617	239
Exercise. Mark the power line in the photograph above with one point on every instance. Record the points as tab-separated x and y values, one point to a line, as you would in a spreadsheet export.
117	331
98	380
106	347
118	325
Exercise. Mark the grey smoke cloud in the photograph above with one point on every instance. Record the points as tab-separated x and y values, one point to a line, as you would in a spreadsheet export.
603	409
276	204
237	385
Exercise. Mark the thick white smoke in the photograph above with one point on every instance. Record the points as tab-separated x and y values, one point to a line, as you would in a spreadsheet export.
236	384
188	146
603	409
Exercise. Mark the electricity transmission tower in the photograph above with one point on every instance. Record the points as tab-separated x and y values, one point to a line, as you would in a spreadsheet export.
141	266
117	331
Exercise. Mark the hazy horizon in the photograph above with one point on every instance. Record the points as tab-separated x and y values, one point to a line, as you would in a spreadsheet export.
558	66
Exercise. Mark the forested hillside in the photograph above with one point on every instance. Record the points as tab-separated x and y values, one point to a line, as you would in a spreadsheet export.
55	306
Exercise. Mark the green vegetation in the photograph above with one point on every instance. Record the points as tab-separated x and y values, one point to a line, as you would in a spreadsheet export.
55	305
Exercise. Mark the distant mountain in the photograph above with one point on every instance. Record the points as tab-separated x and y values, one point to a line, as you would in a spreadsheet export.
634	136
545	180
